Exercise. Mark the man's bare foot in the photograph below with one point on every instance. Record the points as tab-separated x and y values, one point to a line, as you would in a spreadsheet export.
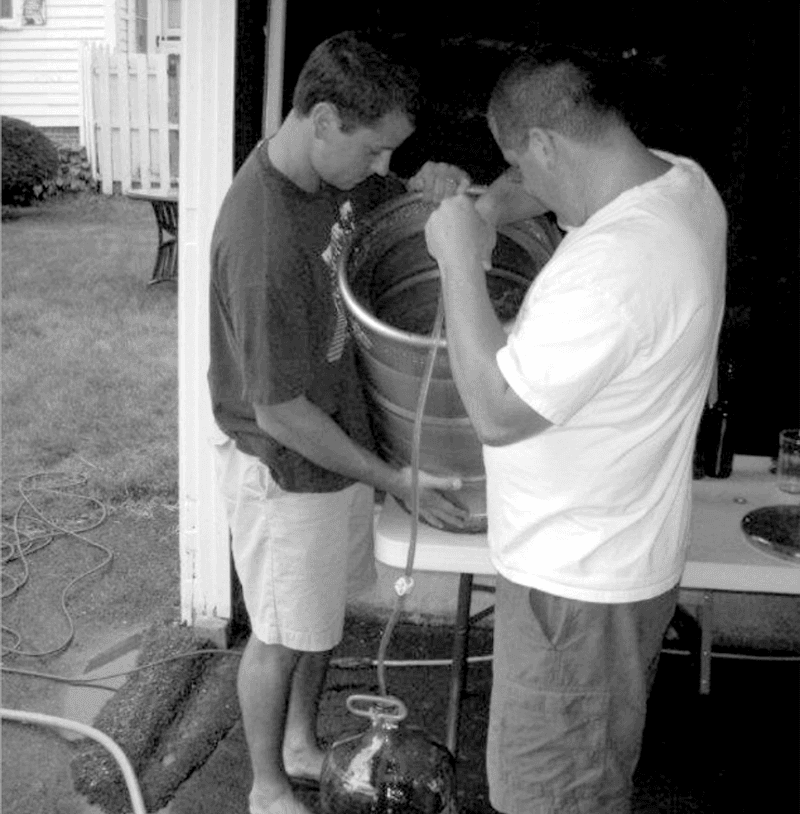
303	764
285	803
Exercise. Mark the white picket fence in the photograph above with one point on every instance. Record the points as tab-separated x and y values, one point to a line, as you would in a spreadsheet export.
130	118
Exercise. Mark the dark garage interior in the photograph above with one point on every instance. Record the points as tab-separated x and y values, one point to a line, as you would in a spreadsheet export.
711	82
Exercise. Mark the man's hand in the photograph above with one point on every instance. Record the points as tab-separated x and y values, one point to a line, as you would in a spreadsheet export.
457	235
302	426
507	201
434	507
439	181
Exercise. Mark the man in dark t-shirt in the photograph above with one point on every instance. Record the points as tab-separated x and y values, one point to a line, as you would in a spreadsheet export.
296	463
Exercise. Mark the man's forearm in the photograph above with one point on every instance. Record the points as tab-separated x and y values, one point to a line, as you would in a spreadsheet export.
303	427
506	201
461	240
474	335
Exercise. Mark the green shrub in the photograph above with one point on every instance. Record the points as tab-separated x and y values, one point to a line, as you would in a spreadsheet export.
30	162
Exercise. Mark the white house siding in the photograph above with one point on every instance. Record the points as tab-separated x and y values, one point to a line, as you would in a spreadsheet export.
126	26
40	65
123	32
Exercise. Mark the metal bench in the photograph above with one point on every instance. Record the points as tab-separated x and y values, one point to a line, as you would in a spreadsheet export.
165	208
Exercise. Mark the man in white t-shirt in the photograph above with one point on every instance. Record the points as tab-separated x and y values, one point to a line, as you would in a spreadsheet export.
588	412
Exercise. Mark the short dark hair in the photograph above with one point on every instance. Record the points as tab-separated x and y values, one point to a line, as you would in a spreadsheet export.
361	81
568	91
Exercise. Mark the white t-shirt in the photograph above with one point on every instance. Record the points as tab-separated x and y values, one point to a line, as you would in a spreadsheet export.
614	344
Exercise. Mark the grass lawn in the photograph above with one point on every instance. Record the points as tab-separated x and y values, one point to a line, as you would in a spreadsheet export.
89	388
89	373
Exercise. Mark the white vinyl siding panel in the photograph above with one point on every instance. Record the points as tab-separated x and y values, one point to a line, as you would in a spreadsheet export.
33	82
47	100
123	23
40	65
49	39
63	71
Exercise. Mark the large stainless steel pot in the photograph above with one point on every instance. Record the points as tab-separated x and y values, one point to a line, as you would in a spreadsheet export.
390	286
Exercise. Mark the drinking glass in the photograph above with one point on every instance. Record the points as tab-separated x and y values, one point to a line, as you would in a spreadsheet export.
789	461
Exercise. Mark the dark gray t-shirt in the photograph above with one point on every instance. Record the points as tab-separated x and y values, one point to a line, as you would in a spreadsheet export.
278	329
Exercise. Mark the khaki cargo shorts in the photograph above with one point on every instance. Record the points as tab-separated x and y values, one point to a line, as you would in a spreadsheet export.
569	697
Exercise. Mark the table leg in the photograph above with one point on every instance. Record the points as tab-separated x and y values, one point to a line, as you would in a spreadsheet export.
458	671
706	622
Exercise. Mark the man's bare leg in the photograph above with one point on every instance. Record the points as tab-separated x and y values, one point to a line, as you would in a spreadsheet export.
264	685
302	756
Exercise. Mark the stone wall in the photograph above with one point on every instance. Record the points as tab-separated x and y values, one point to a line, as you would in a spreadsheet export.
74	171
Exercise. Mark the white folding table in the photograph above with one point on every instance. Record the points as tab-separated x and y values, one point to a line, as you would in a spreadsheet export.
720	558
